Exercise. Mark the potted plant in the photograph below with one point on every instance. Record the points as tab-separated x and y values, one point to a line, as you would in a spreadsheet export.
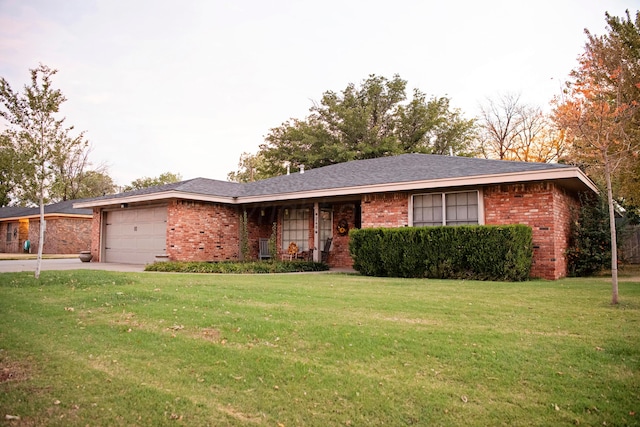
85	256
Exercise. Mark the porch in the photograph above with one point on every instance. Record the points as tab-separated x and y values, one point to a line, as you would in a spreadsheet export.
302	231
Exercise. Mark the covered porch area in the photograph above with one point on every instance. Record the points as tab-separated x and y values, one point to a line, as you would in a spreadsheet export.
308	230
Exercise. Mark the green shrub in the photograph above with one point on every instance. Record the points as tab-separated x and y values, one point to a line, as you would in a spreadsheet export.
236	267
470	252
589	249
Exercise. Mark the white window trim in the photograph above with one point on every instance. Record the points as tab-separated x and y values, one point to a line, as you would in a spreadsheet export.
443	193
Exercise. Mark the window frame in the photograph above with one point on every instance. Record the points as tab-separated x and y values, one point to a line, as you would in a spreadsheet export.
443	195
288	216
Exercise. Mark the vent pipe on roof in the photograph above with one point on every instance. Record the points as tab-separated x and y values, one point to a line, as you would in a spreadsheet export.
301	168
287	165
451	151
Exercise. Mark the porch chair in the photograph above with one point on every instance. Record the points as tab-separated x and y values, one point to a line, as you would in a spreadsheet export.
264	249
324	254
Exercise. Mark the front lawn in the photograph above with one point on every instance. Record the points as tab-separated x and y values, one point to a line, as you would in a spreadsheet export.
102	348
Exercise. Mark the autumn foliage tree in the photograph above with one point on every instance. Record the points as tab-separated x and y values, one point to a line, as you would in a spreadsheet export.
599	111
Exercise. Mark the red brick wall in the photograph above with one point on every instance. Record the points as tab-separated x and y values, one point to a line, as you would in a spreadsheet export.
339	254
260	225
62	236
201	231
544	207
96	226
385	210
12	245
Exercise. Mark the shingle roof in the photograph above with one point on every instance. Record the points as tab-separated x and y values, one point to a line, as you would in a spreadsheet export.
404	168
384	170
65	207
205	186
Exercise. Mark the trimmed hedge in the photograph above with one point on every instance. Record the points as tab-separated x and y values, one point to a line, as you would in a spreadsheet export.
236	267
461	252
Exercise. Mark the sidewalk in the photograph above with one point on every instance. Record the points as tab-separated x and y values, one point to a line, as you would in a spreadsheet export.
12	263
72	262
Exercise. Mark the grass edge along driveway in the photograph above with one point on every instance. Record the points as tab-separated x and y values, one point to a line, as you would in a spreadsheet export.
106	348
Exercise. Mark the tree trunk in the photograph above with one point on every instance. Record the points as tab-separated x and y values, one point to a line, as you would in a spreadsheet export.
41	239
612	227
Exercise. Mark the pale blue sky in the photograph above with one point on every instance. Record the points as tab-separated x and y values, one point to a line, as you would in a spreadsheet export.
187	86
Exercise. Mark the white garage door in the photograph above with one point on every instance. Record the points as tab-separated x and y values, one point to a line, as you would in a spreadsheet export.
135	236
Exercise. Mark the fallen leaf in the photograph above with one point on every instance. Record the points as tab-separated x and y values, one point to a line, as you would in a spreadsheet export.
12	417
556	407
56	402
464	398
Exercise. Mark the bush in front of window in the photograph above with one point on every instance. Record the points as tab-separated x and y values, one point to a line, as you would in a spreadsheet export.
462	252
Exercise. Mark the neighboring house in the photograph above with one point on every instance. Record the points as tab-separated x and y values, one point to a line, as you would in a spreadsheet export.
67	230
201	219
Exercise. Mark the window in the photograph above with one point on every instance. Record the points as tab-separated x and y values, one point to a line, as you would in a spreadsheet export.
9	232
295	228
445	209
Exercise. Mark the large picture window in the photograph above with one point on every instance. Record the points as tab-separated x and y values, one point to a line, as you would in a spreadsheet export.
295	228
445	209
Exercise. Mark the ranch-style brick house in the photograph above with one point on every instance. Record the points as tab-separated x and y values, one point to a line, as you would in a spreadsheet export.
201	219
68	229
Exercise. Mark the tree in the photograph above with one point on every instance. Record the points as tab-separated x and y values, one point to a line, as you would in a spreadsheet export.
599	112
250	168
38	135
500	121
626	31
162	179
70	162
372	120
9	167
589	248
94	183
510	130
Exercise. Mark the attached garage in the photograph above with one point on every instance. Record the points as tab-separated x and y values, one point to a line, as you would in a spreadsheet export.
135	235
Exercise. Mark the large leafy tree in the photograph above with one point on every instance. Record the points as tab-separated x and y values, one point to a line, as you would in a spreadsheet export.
39	137
600	111
372	120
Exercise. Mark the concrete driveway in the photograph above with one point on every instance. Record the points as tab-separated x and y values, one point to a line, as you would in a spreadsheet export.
12	266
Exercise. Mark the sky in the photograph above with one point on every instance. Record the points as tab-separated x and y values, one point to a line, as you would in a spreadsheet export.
186	86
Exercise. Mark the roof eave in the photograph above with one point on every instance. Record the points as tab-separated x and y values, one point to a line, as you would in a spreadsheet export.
571	173
152	197
47	215
574	174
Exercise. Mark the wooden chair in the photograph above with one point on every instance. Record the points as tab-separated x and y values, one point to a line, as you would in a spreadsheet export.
264	252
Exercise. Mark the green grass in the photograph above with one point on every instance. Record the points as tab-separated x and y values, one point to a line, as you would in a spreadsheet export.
102	348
